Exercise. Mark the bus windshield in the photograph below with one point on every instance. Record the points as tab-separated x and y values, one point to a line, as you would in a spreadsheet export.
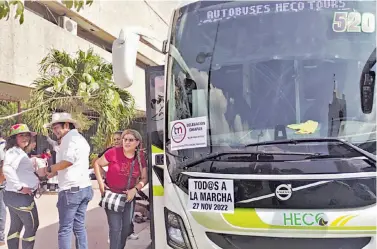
261	71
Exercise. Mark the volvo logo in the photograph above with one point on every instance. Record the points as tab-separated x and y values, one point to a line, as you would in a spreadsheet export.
283	192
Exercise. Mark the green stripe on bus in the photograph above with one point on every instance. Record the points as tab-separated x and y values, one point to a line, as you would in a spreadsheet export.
158	190
156	150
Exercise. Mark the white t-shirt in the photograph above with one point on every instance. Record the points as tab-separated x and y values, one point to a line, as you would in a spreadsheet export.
19	170
74	149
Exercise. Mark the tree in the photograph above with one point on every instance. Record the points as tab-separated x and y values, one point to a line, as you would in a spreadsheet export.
7	108
6	5
80	85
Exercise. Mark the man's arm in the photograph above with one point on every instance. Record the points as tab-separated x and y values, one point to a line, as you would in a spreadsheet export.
60	166
69	153
53	143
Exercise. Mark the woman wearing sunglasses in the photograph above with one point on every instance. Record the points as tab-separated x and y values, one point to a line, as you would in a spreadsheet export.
126	175
22	182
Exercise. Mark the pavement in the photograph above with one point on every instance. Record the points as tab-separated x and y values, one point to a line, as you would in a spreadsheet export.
96	221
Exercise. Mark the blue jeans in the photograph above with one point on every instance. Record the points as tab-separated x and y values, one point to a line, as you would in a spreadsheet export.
72	205
120	225
3	216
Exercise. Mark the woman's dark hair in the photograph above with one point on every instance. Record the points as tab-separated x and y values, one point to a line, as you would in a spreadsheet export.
45	150
11	142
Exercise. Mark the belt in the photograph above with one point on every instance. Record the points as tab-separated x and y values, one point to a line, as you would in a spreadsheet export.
74	189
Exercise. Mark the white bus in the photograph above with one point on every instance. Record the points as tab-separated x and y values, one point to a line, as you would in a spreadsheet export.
265	117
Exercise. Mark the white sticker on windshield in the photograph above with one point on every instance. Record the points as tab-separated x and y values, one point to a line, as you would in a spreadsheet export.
188	133
211	195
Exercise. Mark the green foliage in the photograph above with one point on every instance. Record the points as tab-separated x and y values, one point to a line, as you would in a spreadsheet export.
7	108
6	5
92	157
5	9
77	4
83	86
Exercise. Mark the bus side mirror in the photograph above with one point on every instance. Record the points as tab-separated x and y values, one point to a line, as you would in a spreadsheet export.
124	52
367	83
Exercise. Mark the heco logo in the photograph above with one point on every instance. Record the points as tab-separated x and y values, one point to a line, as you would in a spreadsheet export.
304	219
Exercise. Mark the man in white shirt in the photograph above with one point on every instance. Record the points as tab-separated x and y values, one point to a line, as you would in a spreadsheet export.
75	190
3	211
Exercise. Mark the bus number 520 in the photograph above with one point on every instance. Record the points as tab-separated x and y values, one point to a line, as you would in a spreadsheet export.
354	22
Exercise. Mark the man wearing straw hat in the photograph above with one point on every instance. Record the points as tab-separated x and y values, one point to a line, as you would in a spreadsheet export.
75	190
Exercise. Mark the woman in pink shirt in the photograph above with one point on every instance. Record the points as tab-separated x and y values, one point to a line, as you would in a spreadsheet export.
120	180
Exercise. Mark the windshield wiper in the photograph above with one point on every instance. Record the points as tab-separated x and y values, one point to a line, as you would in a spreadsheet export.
183	158
326	156
257	156
323	140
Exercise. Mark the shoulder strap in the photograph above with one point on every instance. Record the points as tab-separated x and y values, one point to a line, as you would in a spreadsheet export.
130	176
140	166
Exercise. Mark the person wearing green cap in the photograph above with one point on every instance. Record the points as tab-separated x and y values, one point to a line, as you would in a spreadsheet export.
22	182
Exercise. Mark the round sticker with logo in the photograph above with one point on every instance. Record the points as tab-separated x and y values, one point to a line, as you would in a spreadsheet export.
283	192
178	132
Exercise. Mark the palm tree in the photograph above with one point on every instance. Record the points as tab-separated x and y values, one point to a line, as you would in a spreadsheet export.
7	108
83	86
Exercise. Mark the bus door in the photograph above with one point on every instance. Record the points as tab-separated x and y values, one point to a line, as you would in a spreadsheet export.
155	80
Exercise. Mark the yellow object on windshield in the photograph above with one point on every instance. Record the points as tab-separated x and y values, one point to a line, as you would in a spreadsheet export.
309	127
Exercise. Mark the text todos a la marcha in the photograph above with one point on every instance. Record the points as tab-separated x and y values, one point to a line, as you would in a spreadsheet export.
211	195
289	6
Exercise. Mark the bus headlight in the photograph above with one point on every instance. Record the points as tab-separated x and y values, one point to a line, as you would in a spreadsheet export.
176	233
